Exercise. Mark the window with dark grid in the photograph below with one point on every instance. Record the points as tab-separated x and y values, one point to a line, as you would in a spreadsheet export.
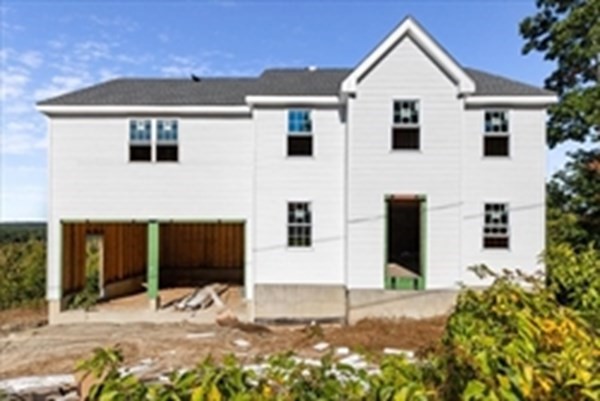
167	148
496	226
300	137
299	224
140	141
496	141
405	127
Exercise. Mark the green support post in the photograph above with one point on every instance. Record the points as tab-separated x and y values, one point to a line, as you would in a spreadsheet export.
423	243
153	260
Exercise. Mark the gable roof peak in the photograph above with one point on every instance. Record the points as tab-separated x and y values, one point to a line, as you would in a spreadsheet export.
409	26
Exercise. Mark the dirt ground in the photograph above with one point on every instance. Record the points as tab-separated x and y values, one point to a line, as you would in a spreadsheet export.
26	349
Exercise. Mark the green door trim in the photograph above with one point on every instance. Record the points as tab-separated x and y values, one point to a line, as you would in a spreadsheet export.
399	283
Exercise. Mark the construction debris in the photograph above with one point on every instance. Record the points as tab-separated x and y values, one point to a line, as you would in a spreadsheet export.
202	298
355	361
29	383
193	336
322	346
241	343
395	351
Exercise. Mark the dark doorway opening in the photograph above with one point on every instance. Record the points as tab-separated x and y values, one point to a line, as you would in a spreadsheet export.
404	242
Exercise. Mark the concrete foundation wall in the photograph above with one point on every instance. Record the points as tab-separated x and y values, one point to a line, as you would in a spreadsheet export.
274	302
393	304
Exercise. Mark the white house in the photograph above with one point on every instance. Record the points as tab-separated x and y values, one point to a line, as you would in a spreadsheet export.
304	185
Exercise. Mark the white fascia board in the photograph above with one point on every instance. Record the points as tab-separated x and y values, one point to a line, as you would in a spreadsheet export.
282	100
411	28
97	109
511	100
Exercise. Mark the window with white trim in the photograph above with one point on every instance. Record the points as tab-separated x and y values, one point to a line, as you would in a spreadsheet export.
405	127
300	136
496	133
140	140
299	225
496	226
166	141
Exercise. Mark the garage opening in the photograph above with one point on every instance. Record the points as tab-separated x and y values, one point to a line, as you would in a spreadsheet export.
104	261
405	242
196	254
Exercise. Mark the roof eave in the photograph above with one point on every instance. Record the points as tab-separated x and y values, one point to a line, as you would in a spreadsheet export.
141	109
512	100
276	100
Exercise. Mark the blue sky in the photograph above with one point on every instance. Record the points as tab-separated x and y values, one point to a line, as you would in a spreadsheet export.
52	47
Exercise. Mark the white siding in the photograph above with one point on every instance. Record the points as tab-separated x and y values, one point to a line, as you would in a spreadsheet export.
92	178
376	170
316	179
517	180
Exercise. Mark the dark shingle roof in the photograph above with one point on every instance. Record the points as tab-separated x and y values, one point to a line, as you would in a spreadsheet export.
487	84
232	91
148	91
302	81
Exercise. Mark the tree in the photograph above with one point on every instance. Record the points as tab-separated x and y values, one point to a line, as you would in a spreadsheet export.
568	33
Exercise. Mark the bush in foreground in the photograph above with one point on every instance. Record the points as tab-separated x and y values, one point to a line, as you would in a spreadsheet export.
508	342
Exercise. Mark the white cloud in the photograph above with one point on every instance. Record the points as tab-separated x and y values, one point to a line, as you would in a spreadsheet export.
115	22
184	66
107	74
61	84
12	84
20	143
31	59
92	50
23	203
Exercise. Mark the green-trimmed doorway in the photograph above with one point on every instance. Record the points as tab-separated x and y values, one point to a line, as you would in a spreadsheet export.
405	242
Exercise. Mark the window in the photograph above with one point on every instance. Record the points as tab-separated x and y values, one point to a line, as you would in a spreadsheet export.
495	228
496	138
140	141
299	225
166	141
405	128
299	138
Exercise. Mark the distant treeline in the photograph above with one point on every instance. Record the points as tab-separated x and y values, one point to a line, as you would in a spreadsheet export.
21	232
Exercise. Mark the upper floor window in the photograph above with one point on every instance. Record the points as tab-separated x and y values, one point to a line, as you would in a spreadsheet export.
495	228
496	133
405	127
299	138
140	140
166	140
299	224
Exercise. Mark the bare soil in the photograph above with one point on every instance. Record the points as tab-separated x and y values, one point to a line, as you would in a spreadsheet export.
30	350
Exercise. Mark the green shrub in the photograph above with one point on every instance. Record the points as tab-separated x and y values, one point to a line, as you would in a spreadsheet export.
512	341
574	276
22	272
516	342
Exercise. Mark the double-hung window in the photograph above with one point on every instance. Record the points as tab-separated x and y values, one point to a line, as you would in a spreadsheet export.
496	133
405	127
166	141
496	231
299	224
299	137
140	140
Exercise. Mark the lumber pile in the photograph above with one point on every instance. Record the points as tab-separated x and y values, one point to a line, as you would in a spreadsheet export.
202	298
